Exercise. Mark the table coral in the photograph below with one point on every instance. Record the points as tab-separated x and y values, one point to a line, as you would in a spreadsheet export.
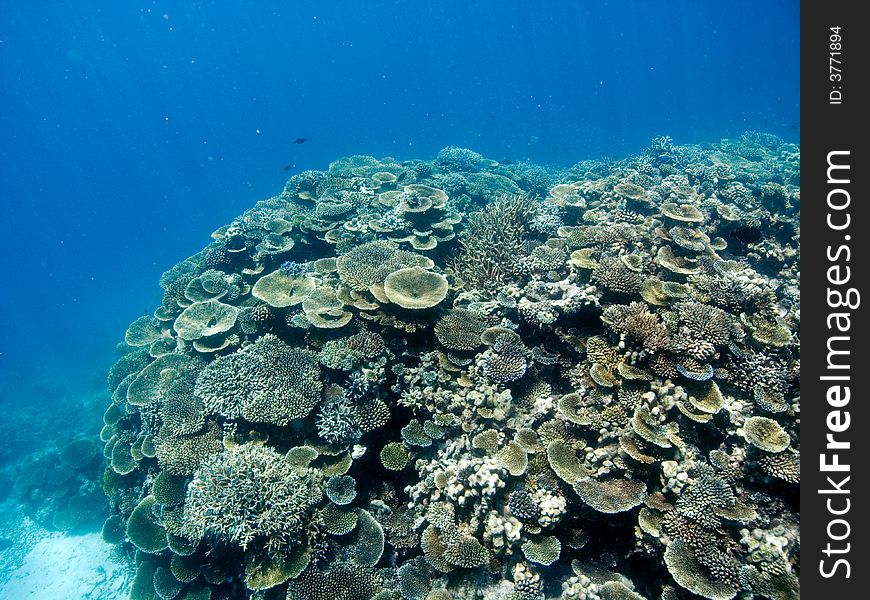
460	378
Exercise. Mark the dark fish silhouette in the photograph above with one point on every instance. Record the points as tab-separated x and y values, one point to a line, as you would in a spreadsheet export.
746	234
288	167
300	140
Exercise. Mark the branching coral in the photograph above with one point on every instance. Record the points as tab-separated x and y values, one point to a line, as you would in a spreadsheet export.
250	493
492	242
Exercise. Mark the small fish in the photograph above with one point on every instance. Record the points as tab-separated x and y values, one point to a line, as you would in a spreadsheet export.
288	167
793	127
300	140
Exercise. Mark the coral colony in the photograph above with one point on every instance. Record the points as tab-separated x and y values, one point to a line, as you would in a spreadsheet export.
462	379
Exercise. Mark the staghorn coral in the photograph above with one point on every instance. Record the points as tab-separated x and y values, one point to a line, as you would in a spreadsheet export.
492	242
335	421
250	493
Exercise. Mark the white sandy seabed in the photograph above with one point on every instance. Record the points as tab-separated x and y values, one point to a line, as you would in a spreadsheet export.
61	567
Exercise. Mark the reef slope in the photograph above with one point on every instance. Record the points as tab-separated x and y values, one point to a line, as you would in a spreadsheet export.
453	378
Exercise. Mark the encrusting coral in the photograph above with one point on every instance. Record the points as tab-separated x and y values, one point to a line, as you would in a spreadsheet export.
458	378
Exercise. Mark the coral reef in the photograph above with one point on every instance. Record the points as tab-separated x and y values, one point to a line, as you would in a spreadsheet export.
59	487
458	378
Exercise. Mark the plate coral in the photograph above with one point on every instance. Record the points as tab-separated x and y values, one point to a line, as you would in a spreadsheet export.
456	378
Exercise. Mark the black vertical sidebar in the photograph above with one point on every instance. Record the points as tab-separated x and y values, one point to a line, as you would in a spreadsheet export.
835	297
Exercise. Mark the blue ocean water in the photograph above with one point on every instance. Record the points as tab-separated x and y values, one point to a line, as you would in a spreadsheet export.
130	130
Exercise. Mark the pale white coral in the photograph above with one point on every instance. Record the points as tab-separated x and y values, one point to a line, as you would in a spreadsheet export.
501	531
527	582
466	478
552	506
674	476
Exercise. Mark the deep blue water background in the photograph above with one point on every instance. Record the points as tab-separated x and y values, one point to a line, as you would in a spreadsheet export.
130	130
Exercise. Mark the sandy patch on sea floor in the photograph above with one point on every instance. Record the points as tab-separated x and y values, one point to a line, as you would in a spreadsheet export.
61	567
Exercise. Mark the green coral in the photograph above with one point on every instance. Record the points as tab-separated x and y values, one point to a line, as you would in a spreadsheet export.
143	582
337	521
368	546
341	489
185	568
181	455
114	530
394	456
766	434
169	489
144	529
122	460
544	551
165	583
